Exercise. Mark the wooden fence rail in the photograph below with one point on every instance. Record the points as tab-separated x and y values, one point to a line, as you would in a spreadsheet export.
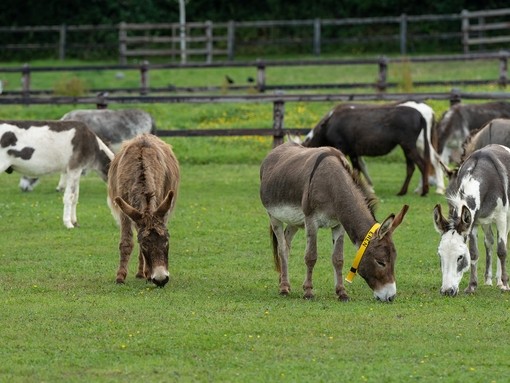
208	40
260	66
278	130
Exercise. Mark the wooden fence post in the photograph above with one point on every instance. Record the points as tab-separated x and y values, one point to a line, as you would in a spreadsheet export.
278	116
122	43
503	68
209	41
261	76
465	30
403	34
101	102
144	78
455	97
383	73
62	43
317	37
231	36
25	80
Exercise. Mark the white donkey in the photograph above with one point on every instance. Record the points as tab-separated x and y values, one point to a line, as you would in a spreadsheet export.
36	148
478	194
113	127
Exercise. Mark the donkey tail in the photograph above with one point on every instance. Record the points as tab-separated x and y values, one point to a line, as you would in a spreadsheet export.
274	242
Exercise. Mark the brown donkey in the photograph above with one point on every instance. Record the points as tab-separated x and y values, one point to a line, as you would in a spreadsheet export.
142	188
315	188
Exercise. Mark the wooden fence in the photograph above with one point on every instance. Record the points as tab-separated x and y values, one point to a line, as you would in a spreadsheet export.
485	27
278	130
209	41
380	64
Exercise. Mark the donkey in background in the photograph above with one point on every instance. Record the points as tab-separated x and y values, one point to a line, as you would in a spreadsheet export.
37	148
375	131
112	126
143	182
478	194
315	188
496	131
456	124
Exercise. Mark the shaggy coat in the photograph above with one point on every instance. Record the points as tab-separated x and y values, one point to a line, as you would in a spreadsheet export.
143	183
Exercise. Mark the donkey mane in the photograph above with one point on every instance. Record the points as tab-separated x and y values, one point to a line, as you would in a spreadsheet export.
468	142
365	189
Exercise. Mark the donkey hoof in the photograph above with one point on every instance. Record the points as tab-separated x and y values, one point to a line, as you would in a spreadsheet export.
308	295
343	298
284	292
119	281
141	276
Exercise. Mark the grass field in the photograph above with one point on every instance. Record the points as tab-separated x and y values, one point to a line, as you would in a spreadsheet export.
220	318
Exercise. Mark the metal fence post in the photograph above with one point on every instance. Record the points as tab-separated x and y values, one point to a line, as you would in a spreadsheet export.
278	116
144	78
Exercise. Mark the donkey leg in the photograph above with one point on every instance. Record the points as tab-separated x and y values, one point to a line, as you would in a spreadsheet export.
473	250
409	174
488	243
142	272
283	255
70	198
310	256
502	239
61	182
338	261
125	247
358	166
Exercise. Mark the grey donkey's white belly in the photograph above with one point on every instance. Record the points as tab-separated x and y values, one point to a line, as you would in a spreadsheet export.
294	215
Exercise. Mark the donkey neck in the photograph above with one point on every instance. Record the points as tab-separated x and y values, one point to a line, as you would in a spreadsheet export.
358	227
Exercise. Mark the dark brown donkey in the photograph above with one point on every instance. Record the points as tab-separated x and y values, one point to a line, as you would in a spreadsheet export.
315	188
142	188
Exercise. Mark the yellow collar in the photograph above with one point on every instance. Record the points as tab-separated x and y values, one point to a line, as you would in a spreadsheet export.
360	252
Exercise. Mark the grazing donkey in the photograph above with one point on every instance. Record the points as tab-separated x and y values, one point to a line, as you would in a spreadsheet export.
112	126
143	183
37	148
455	125
478	194
496	131
375	131
315	188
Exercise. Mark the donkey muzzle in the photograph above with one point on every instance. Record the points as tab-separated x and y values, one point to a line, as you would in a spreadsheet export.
160	276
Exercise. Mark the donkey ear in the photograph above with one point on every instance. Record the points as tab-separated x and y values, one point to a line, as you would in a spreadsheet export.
165	205
392	222
127	209
465	220
450	173
440	222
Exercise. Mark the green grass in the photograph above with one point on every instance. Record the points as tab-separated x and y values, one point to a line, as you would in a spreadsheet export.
220	318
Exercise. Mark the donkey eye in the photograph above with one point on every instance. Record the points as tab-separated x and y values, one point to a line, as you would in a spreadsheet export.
381	263
460	258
